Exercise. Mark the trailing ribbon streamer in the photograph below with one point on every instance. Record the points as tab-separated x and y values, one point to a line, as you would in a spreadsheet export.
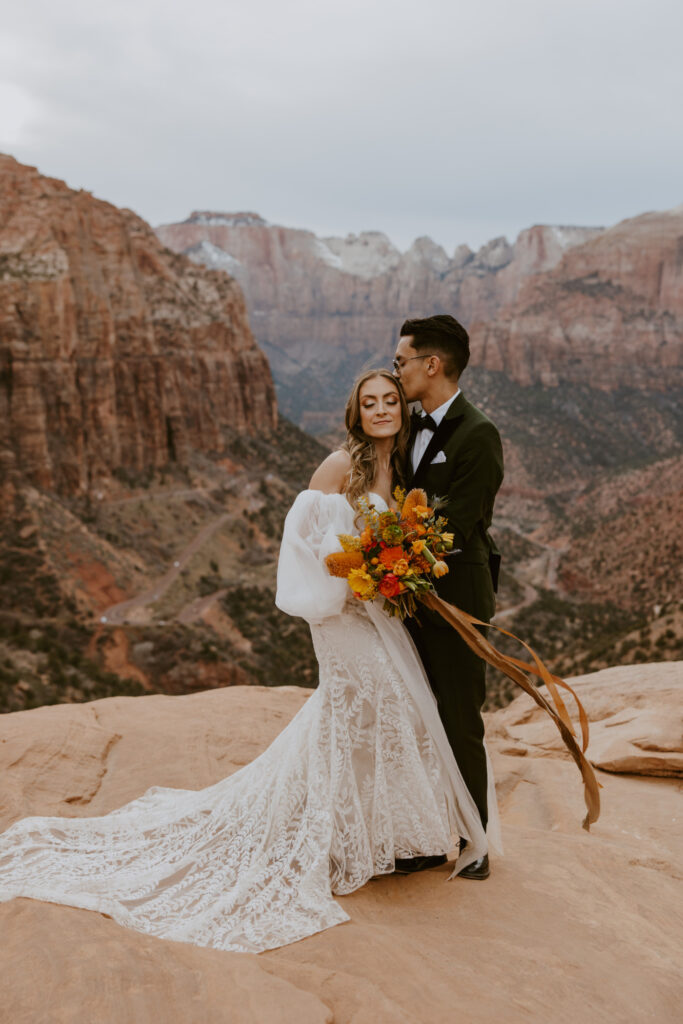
515	669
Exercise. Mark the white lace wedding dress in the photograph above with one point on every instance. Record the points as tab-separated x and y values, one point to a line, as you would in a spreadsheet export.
361	775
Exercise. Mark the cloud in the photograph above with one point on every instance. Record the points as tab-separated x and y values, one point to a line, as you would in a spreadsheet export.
18	110
458	121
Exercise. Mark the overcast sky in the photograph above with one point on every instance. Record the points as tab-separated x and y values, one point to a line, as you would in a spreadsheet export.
460	121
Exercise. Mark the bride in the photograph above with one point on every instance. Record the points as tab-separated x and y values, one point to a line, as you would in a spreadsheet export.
361	777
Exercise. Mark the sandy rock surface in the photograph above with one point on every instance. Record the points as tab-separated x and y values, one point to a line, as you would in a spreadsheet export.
569	926
636	716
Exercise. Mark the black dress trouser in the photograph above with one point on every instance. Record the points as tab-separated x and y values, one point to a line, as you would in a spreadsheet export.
458	680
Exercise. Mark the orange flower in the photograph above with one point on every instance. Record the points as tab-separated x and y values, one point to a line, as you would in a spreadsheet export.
367	538
414	498
401	566
391	555
340	563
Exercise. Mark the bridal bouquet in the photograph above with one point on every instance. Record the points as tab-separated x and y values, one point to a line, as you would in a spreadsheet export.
398	553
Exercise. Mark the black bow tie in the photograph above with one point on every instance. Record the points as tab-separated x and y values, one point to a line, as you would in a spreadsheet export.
422	422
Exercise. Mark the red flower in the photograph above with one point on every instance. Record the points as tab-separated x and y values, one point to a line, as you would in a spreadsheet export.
390	585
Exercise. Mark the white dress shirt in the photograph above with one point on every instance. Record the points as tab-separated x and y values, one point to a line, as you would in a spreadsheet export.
423	437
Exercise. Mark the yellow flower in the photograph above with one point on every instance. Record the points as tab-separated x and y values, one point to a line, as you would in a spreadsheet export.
349	543
340	563
418	546
362	584
439	569
447	538
422	511
401	567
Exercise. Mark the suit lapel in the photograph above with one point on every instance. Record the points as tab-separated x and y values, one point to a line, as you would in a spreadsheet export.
442	434
413	433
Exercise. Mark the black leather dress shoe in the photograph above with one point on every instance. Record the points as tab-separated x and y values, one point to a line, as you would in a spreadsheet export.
409	865
478	869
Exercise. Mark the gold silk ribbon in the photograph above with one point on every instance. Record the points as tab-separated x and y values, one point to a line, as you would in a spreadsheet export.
515	669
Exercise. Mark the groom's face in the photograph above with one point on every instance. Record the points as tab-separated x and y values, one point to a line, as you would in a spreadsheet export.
409	368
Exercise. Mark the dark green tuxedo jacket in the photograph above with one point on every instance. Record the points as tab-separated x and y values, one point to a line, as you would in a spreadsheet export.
467	480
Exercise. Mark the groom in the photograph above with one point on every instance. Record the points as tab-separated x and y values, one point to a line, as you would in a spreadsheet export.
454	453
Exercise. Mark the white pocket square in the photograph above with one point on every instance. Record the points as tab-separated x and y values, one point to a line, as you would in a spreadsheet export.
439	457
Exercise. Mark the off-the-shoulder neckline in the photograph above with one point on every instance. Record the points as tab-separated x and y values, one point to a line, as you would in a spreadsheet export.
334	494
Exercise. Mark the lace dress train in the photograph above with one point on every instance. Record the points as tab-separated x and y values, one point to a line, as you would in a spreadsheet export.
361	775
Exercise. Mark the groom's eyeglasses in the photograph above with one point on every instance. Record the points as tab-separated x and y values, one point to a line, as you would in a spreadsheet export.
399	365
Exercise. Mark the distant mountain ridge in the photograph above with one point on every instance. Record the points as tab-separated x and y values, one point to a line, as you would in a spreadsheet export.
322	308
610	312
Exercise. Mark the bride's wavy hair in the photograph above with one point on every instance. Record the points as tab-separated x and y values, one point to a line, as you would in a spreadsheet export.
361	448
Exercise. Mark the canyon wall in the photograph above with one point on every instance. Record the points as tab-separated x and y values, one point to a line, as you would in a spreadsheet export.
609	314
598	306
323	308
114	352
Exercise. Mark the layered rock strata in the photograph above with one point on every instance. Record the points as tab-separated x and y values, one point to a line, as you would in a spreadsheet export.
609	314
324	307
562	304
114	352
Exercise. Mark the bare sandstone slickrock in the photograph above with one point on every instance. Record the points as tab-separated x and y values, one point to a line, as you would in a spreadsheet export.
114	352
570	925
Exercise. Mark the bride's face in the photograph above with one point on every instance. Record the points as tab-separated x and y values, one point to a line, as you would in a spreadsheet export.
380	408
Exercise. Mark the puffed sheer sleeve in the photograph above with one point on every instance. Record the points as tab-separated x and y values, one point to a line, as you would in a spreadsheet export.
304	586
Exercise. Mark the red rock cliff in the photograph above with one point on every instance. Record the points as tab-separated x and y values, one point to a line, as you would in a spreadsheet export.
609	315
114	352
324	307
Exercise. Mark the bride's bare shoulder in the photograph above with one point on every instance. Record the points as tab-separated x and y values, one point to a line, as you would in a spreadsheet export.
332	474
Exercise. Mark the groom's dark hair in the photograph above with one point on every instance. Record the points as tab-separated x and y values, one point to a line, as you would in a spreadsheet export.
442	333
